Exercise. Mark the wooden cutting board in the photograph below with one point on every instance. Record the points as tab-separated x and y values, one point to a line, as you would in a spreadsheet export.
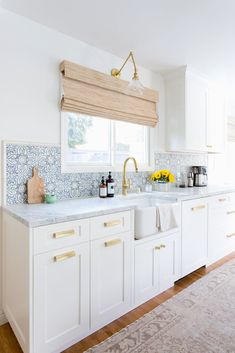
35	188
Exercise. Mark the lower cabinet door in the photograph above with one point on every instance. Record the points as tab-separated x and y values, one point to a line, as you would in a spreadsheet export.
110	278
168	259
61	297
194	235
156	267
146	283
217	226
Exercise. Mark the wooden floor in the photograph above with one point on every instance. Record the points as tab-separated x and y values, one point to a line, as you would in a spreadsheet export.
9	344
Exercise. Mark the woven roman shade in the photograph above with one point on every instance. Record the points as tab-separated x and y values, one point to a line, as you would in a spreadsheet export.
93	93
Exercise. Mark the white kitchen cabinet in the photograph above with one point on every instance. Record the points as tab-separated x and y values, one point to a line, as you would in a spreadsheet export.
156	266
63	281
110	278
221	226
216	121
52	297
229	232
217	225
61	297
194	113
46	283
194	235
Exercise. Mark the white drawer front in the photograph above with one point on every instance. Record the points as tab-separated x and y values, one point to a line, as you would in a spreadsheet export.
60	235
110	224
219	202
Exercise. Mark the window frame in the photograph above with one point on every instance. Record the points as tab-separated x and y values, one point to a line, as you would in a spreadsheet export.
69	167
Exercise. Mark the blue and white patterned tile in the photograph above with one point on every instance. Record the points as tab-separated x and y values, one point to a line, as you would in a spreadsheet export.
20	160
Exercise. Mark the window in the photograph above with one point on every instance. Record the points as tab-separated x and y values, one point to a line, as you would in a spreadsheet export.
98	144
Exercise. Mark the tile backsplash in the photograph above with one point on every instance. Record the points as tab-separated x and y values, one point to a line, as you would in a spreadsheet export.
179	162
21	158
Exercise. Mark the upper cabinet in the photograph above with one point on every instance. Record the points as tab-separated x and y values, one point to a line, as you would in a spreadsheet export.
216	121
195	112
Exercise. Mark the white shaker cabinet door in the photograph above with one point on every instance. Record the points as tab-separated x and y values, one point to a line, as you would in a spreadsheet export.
156	267
196	113
194	235
168	262
216	122
110	278
217	226
61	297
146	283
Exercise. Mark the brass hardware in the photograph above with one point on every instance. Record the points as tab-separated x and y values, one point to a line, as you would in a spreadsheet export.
64	256
125	184
209	146
162	246
157	247
63	234
222	200
230	235
116	222
135	84
117	73
230	212
112	242
198	207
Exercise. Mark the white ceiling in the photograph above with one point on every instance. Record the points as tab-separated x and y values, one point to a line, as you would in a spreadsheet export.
163	34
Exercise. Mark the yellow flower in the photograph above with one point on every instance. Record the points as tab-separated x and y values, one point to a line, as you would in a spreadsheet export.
165	173
171	178
157	175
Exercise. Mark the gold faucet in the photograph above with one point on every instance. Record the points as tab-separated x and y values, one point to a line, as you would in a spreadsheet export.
125	184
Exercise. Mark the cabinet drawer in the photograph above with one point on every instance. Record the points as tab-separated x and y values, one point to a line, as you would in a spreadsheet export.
60	235
219	202
230	239
110	224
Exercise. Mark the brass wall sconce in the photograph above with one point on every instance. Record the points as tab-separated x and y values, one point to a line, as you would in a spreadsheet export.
135	83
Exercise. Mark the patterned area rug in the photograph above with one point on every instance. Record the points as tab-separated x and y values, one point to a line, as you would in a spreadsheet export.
200	319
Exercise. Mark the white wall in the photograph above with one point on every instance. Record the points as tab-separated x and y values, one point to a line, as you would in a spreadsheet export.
29	83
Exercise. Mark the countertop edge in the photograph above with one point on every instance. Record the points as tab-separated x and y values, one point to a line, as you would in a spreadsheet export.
50	220
61	219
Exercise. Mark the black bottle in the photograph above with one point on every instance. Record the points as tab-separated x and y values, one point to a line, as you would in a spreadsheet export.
110	186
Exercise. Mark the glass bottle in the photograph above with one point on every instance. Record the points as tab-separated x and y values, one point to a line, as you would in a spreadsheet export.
110	185
102	189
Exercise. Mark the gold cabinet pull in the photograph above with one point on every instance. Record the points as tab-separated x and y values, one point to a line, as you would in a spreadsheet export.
222	200
157	248
112	242
162	246
64	256
64	233
116	222
196	208
230	235
230	212
209	146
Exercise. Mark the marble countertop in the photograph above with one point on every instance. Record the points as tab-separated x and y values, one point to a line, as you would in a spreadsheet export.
69	210
183	194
